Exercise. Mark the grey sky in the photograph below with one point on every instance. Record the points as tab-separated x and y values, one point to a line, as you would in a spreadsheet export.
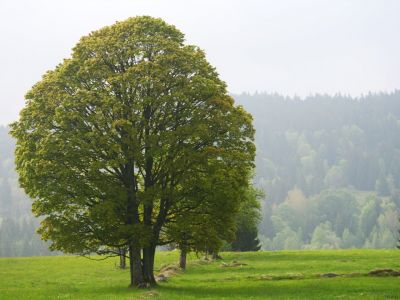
292	47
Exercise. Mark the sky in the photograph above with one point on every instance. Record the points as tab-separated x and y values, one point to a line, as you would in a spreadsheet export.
293	47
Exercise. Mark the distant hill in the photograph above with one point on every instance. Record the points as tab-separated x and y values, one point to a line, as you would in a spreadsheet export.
320	143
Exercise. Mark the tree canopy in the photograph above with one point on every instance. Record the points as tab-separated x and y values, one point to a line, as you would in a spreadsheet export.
109	142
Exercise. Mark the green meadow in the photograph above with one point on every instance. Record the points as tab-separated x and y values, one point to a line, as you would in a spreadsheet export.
254	275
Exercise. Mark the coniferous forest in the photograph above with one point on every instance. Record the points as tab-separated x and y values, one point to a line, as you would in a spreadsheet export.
329	167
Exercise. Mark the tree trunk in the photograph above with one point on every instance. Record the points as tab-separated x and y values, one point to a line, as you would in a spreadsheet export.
182	259
215	255
122	258
148	265
135	267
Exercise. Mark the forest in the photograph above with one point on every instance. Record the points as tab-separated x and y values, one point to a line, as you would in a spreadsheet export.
329	167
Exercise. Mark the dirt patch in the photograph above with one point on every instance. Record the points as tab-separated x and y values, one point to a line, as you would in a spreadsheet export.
384	272
173	269
233	264
161	278
200	262
329	275
282	277
353	274
265	277
288	277
167	272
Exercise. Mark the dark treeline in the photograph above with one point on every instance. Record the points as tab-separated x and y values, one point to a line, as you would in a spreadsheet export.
330	166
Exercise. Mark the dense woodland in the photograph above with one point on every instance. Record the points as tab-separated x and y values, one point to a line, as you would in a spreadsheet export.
329	167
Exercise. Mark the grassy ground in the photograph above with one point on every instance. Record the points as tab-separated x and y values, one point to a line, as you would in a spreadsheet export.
263	275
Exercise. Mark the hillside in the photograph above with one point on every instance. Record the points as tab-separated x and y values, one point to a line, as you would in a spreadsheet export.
262	275
330	167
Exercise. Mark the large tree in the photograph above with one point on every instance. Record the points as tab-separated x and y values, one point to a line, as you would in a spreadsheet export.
108	141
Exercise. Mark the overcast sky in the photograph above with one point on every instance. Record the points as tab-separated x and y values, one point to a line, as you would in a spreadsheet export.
286	46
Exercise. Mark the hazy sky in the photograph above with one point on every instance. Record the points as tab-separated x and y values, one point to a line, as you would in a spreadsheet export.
288	46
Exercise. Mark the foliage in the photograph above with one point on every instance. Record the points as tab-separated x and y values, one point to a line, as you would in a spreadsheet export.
333	219
327	143
247	221
109	140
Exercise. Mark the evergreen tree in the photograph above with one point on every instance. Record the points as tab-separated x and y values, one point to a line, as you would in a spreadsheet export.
247	221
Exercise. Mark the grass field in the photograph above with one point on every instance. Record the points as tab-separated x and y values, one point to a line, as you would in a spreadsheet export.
262	275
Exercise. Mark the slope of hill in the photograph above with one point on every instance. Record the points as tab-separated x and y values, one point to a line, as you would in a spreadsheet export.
330	166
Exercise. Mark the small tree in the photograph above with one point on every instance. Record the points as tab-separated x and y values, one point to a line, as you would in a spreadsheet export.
212	202
108	140
247	221
398	245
